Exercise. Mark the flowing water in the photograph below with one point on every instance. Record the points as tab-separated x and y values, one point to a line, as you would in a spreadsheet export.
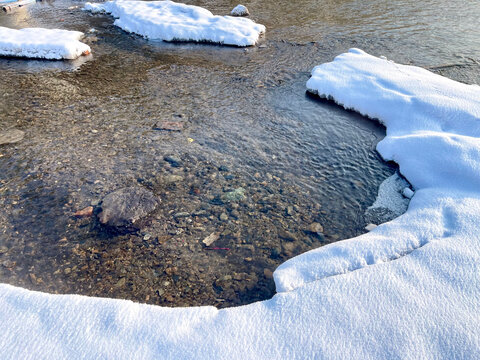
92	126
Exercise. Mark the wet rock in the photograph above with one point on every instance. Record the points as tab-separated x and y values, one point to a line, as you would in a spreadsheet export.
268	273
288	249
169	126
180	215
240	10
234	195
275	253
125	209
287	235
86	212
315	228
223	217
173	161
11	136
289	211
121	283
172	179
223	168
210	239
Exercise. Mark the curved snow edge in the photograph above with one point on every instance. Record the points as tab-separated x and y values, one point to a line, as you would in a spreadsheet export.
433	124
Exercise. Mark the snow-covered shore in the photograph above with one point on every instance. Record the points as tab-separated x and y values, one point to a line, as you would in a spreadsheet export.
170	21
408	289
42	43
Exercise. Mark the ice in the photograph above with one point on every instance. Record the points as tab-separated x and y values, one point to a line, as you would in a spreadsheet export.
408	289
390	201
170	21
42	43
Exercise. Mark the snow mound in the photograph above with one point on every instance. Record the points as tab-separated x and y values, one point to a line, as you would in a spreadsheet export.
409	289
42	43
240	10
170	21
433	129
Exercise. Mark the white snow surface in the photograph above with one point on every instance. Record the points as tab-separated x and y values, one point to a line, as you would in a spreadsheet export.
240	10
409	289
170	21
42	43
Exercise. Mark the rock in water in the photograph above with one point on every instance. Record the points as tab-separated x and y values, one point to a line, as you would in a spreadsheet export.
234	195
11	136
125	209
240	10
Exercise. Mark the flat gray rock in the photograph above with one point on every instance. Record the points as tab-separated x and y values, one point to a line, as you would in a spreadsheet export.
125	209
11	136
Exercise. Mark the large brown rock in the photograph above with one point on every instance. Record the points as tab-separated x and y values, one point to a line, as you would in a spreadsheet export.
126	209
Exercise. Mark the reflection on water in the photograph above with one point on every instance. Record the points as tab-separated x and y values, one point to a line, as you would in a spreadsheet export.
92	127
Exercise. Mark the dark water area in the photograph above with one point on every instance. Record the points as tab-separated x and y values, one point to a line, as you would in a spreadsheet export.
92	126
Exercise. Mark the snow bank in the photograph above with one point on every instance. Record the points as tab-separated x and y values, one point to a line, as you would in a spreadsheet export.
170	21
409	289
42	43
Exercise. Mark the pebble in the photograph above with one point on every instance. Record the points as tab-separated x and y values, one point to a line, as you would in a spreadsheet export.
172	179
11	136
86	212
181	215
288	248
210	239
234	195
147	237
370	227
223	217
287	235
268	273
173	160
121	283
289	211
315	228
169	126
3	249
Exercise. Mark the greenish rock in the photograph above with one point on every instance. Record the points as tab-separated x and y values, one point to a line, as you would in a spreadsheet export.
11	136
234	195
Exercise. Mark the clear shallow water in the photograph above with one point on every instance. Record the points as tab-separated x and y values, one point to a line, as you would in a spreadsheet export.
247	122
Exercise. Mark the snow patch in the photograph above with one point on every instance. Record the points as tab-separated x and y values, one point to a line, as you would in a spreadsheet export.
170	21
240	10
409	289
42	43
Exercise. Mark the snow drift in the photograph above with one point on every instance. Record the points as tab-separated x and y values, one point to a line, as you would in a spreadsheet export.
170	21
409	289
42	43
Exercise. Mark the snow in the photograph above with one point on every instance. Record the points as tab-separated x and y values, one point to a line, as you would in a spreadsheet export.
408	289
390	202
408	193
42	43
240	10
170	21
